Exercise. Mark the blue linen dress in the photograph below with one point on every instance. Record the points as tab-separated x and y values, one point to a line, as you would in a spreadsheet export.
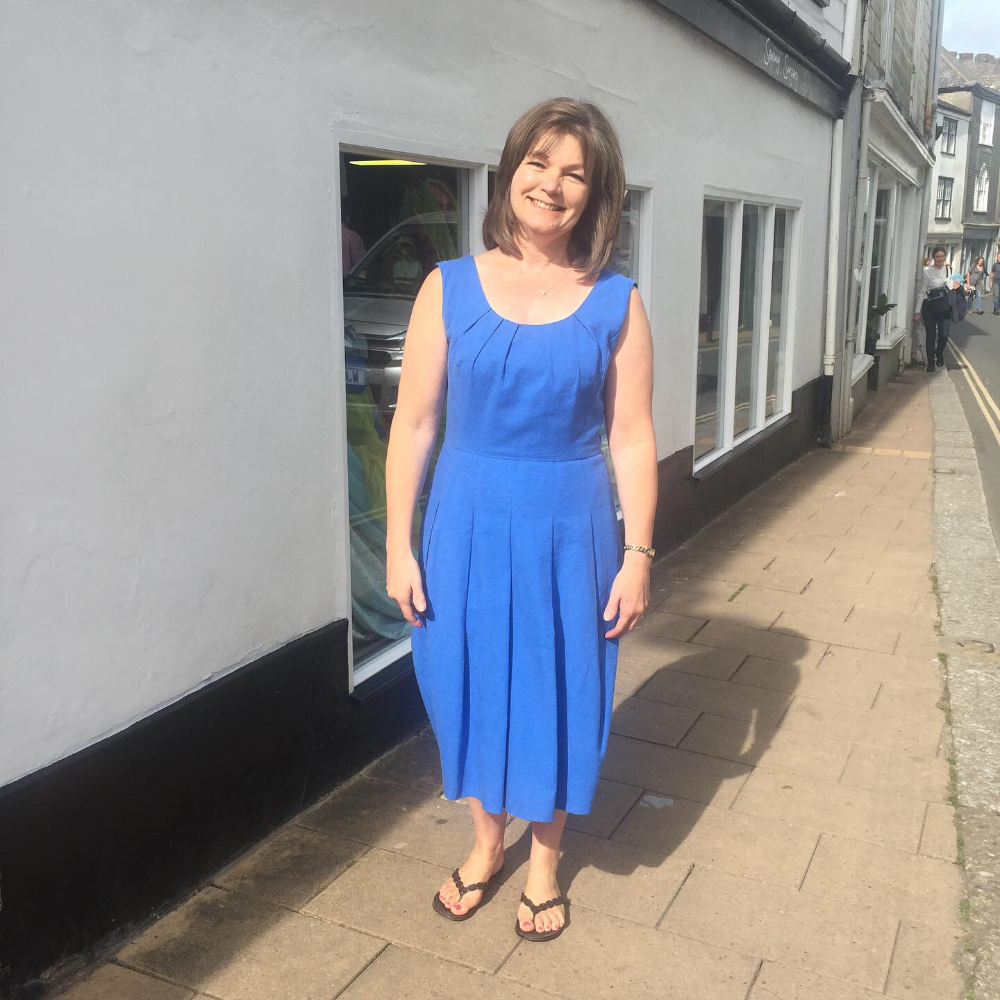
519	547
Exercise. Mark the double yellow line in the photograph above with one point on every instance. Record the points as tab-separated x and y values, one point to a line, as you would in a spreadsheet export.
979	391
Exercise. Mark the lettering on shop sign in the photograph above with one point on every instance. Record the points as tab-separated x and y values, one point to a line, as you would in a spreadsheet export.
779	64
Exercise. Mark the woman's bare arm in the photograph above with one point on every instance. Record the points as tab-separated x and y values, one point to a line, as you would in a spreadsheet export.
422	385
628	405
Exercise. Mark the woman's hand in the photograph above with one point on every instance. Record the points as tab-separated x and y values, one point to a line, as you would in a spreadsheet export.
629	594
405	585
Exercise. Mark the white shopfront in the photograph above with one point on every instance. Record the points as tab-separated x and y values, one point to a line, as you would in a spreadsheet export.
200	473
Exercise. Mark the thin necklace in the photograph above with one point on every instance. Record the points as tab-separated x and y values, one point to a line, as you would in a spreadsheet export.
545	291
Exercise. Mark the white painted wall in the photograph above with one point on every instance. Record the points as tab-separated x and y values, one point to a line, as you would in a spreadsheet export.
955	167
171	398
828	21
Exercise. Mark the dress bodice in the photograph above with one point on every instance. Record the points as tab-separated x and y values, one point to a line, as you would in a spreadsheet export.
531	391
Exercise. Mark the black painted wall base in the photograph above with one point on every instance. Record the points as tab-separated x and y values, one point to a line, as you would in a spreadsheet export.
687	503
99	843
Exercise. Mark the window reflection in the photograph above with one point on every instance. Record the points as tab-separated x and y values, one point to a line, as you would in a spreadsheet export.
775	335
397	223
710	312
744	410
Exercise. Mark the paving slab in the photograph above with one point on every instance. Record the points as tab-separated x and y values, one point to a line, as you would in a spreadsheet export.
673	772
801	651
291	867
899	882
112	982
416	763
626	881
389	897
823	628
821	935
844	688
706	694
606	958
780	982
427	977
402	820
861	725
663	622
734	611
652	721
924	963
611	804
237	948
766	746
833	808
917	672
719	838
895	772
940	836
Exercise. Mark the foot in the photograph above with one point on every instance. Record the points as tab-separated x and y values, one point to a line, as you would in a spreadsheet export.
541	887
930	366
481	865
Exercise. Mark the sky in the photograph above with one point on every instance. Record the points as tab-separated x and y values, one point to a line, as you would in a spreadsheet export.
972	26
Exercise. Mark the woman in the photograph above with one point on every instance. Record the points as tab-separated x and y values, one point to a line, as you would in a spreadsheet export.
521	590
976	281
936	309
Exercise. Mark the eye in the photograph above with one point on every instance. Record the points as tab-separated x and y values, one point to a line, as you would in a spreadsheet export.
578	177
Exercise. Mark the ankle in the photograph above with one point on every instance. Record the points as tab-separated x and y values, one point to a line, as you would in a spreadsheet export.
489	850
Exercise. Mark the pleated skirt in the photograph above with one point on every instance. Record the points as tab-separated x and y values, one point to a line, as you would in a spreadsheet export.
516	675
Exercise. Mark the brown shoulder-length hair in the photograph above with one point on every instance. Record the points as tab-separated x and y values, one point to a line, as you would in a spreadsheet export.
593	237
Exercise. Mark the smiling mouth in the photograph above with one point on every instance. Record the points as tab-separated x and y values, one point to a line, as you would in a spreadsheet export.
546	205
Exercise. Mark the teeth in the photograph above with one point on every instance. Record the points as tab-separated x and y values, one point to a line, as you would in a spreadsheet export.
544	204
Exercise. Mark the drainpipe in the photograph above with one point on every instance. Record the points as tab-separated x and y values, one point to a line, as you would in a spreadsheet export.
830	344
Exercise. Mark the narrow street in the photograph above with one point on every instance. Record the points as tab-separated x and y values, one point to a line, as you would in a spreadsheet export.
973	360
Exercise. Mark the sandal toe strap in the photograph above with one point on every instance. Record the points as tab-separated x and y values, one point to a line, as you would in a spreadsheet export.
463	888
538	907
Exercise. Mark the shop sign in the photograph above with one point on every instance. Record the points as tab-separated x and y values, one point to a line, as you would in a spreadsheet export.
780	65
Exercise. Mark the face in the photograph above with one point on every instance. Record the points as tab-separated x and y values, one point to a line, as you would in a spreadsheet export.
549	190
980	262
939	259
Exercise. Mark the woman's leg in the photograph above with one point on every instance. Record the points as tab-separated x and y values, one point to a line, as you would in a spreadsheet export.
944	327
930	336
485	859
541	885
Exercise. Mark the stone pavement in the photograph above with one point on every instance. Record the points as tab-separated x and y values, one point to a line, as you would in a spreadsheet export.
773	819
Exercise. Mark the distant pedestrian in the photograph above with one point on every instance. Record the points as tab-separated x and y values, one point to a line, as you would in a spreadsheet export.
995	285
936	309
976	282
352	246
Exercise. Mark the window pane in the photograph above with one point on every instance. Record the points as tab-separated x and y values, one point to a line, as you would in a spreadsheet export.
625	260
747	319
710	326
776	331
397	223
625	253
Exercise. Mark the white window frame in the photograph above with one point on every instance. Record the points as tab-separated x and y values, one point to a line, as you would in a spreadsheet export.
987	119
981	199
726	438
477	163
943	198
949	135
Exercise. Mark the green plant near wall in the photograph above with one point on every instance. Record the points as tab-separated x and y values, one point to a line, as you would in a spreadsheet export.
875	314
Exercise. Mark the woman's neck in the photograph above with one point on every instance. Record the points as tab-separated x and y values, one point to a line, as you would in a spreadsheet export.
538	254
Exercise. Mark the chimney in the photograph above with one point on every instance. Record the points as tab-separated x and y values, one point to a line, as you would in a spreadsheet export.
962	56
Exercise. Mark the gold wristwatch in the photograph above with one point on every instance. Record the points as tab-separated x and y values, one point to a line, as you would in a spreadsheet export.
641	548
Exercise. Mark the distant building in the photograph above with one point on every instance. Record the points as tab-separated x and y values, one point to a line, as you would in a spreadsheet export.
946	221
980	218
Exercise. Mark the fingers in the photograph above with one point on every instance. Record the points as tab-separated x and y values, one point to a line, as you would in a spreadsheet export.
629	617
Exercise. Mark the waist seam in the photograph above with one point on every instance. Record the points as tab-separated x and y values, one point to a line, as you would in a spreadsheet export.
508	458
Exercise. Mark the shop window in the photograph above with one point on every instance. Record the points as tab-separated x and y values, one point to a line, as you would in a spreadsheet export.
982	192
942	206
743	322
714	240
949	134
399	218
780	266
986	120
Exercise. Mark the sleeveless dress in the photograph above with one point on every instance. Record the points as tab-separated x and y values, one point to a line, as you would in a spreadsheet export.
519	547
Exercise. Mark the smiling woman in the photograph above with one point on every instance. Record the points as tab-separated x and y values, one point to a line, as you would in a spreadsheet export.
520	588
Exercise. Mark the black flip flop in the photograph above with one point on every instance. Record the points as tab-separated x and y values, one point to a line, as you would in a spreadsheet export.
534	935
439	907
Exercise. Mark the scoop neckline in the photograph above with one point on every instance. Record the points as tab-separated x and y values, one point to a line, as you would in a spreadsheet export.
553	322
